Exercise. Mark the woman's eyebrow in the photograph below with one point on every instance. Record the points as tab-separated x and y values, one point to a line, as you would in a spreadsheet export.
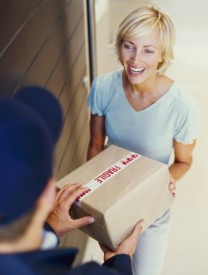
124	40
146	46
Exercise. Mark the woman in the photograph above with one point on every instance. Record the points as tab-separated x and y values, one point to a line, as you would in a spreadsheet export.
143	110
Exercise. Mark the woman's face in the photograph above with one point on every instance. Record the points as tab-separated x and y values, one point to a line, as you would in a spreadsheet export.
140	57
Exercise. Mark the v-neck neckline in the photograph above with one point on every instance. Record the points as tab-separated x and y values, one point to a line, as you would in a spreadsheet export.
148	107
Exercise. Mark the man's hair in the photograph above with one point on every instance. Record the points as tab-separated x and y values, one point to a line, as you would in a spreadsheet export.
14	230
144	20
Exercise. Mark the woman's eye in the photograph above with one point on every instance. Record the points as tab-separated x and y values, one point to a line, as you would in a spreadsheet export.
149	51
128	46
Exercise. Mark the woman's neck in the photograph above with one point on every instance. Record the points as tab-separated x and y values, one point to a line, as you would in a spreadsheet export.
156	86
143	95
146	87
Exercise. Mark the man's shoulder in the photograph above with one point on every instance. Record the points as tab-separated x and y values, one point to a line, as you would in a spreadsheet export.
51	261
59	261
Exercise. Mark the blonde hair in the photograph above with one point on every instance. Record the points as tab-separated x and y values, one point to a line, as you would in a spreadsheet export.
144	20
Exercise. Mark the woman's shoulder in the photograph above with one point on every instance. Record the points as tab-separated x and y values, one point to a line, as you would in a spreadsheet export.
103	90
108	78
181	95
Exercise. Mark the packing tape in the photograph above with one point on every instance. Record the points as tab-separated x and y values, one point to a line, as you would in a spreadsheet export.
107	174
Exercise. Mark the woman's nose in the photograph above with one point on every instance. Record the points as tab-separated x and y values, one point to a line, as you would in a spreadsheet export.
136	56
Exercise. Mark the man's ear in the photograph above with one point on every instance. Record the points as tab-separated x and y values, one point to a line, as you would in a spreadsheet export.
47	197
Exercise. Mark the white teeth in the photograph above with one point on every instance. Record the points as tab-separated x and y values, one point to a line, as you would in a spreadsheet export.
136	70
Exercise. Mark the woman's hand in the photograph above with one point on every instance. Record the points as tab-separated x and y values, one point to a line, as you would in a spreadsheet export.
128	246
172	187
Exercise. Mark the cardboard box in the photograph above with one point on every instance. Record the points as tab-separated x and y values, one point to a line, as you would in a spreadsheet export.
123	188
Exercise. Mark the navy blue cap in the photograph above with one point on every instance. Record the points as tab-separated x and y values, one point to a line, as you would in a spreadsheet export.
30	124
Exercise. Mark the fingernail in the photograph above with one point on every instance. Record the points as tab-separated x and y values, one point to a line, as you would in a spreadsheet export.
91	220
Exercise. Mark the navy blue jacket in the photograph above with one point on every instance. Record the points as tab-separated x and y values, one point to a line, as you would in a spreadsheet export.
59	261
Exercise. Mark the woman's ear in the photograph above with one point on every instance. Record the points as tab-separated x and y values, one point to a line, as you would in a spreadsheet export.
161	59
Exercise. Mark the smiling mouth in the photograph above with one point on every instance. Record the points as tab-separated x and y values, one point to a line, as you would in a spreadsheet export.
136	71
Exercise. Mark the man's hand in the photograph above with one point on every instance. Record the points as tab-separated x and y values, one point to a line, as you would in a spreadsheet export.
59	218
128	246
